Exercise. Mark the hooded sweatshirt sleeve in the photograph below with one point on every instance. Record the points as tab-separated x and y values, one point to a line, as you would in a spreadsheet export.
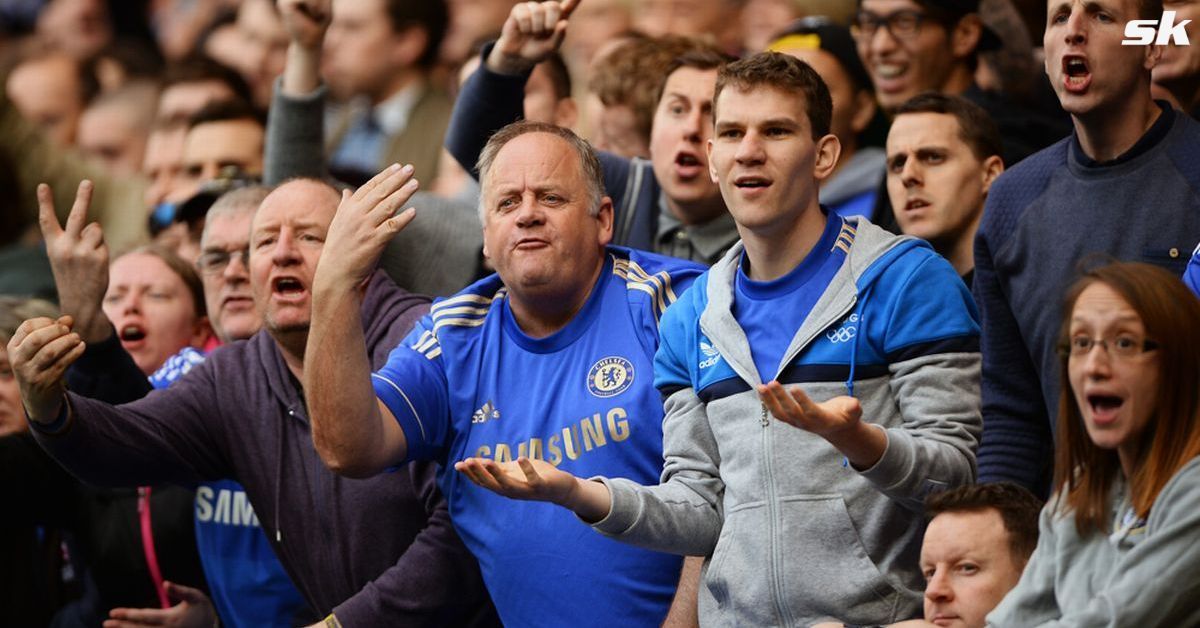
167	436
1145	578
932	348
683	514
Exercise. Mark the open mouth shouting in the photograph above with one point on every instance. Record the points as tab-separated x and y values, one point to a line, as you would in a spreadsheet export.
132	336
1077	76
1104	407
287	289
689	166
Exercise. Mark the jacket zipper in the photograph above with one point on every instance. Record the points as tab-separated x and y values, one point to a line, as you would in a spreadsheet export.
772	513
781	607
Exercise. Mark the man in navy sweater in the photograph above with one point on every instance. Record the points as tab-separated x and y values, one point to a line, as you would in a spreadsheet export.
1125	184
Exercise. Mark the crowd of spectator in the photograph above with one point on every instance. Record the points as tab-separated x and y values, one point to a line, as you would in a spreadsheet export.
599	313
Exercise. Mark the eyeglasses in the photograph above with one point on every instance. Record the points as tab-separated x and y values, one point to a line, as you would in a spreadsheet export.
213	262
900	25
1123	347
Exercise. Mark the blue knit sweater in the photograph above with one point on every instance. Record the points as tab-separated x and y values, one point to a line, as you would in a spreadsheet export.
1043	218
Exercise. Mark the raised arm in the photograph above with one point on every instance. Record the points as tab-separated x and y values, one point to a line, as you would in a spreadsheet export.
354	433
79	260
295	145
494	95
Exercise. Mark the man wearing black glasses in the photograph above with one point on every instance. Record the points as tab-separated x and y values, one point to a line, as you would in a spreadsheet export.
914	46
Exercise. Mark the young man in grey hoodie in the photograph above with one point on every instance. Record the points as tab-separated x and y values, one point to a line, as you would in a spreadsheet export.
817	514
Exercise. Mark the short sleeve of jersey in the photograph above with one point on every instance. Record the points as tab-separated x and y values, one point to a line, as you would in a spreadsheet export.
1191	276
932	313
412	384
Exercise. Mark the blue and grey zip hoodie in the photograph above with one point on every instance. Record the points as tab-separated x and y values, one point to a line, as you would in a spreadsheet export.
793	534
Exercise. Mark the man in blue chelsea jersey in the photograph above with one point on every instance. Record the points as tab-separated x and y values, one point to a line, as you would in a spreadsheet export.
551	359
819	381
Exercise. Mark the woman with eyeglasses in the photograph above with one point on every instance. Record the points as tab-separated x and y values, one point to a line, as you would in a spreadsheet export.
1120	540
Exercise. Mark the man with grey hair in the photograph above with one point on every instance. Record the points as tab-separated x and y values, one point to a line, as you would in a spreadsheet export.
550	358
224	263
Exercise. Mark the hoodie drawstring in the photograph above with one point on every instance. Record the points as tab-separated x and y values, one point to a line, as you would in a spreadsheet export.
279	477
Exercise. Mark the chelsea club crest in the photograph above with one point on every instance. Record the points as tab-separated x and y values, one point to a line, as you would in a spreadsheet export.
610	377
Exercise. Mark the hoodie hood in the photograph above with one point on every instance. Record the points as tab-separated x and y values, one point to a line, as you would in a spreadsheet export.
872	251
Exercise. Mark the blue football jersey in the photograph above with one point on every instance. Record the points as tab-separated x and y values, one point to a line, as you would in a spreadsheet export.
468	382
247	584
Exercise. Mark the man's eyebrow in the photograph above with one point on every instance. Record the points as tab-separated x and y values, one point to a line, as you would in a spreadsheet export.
783	122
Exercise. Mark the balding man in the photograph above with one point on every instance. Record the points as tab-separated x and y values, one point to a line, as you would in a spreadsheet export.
392	558
550	358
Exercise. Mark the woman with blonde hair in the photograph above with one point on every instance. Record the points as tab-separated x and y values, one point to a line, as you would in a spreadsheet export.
1120	540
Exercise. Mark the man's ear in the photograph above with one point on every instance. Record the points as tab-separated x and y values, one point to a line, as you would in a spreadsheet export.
202	330
410	45
1153	56
992	167
605	216
964	36
712	169
829	149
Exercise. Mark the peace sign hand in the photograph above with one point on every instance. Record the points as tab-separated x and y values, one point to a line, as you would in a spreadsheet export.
79	261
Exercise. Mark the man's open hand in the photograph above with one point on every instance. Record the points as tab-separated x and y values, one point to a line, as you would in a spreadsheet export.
193	610
538	480
364	224
792	406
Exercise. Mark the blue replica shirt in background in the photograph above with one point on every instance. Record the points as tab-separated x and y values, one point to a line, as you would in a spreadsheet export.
1191	275
245	580
468	382
768	310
